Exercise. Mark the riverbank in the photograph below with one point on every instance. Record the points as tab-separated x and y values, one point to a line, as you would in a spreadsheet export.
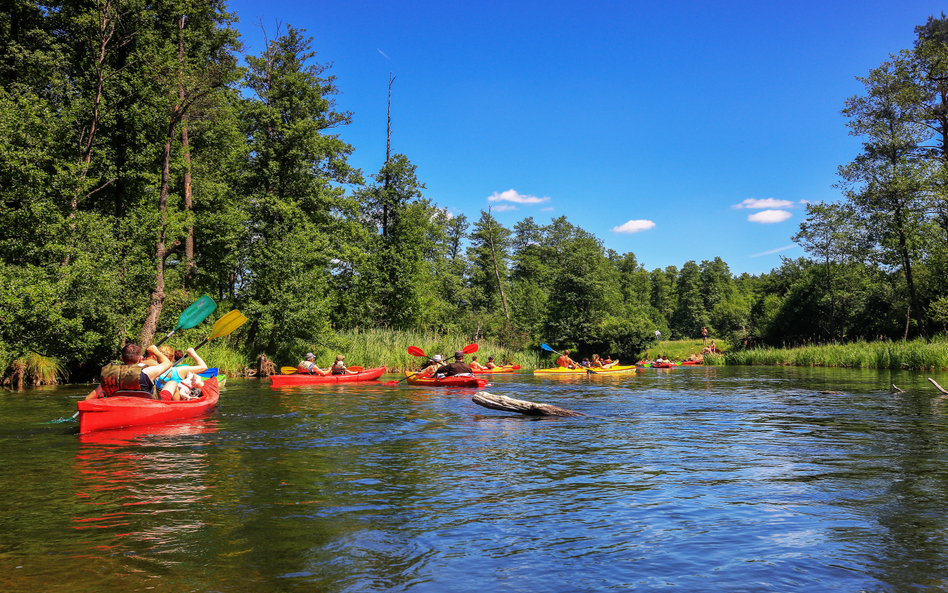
916	355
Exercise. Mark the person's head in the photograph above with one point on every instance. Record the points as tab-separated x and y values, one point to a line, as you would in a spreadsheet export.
585	360
595	357
131	354
566	352
490	359
459	355
167	350
340	358
178	354
474	358
437	359
309	356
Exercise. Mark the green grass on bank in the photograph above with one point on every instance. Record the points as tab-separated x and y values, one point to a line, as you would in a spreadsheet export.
915	355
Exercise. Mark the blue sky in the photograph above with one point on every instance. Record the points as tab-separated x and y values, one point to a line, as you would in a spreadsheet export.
702	126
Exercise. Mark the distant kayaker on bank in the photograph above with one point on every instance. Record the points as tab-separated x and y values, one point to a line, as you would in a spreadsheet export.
339	367
167	383
476	366
308	367
455	368
565	361
132	374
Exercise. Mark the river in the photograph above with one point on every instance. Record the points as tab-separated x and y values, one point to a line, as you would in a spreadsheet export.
694	479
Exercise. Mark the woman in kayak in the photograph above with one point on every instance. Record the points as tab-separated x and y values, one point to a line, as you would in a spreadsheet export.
429	371
167	383
339	367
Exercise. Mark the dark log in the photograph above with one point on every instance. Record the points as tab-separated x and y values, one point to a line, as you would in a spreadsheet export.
939	387
507	404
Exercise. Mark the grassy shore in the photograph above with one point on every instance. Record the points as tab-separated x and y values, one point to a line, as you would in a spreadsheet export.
681	349
917	355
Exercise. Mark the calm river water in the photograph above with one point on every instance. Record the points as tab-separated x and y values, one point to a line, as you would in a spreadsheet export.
696	479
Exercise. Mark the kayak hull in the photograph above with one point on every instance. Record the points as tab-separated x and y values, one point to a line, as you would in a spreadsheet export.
582	371
119	411
307	379
454	381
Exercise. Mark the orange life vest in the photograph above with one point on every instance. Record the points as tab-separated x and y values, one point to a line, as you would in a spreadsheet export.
120	377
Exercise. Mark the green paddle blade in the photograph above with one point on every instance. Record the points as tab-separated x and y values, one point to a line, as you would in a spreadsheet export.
196	313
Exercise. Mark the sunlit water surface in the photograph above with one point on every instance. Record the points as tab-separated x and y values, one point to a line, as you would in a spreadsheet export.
695	479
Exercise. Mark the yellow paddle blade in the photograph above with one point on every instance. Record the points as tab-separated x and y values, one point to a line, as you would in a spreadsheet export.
227	324
288	370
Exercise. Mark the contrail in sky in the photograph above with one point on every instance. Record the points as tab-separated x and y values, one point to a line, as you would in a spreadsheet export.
772	251
383	53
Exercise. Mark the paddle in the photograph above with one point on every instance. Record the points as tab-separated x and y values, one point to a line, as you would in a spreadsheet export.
416	351
222	327
548	349
192	316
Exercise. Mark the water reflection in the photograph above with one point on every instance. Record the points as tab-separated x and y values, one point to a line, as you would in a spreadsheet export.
138	486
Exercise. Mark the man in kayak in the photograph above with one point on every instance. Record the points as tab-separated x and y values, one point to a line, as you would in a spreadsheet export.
490	363
565	361
455	368
476	366
308	367
132	374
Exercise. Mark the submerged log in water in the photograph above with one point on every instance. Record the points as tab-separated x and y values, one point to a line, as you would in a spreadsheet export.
507	404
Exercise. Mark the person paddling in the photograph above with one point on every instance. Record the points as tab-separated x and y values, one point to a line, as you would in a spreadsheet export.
565	361
308	367
455	368
133	374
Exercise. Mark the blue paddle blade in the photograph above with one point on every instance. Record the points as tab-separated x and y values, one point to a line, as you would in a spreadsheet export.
547	348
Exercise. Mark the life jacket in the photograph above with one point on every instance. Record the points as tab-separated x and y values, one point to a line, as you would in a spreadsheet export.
120	377
304	366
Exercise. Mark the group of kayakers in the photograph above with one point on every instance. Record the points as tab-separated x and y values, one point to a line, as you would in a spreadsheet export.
308	366
597	362
152	375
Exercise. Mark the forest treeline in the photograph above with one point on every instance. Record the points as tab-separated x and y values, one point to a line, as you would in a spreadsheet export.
145	162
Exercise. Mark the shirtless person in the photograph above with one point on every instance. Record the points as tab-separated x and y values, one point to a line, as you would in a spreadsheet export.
565	361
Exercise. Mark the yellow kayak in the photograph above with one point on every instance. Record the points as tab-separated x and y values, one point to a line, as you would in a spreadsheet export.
582	370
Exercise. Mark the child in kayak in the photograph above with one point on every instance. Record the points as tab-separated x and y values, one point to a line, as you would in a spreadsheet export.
339	367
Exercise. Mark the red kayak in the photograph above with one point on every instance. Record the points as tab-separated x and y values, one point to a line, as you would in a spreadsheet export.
307	379
126	408
503	369
453	381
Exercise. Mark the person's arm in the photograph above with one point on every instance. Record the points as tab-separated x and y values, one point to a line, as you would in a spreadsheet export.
163	363
97	392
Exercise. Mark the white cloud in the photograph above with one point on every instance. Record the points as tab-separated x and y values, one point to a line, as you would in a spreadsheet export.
504	207
512	196
773	251
547	209
769	216
634	226
768	203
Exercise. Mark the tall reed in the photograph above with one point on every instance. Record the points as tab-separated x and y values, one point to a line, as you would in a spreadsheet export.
36	369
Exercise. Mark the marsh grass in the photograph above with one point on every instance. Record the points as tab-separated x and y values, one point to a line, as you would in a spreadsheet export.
915	355
371	348
36	369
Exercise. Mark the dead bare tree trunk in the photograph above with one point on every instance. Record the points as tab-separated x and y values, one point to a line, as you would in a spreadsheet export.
190	265
493	252
508	404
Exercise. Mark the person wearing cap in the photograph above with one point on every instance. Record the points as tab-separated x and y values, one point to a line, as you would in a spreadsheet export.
339	367
429	371
455	368
307	366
